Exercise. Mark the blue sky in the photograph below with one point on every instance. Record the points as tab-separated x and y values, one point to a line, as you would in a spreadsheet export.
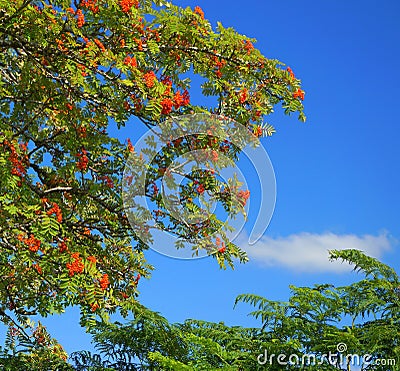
337	175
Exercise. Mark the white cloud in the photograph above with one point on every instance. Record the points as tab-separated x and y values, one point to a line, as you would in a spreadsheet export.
307	252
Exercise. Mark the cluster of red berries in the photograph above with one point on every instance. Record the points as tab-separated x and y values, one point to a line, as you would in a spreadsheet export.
55	210
149	79
167	104
200	189
17	162
214	155
299	94
131	149
37	268
258	131
100	45
219	64
83	161
104	282
92	259
137	279
126	5
179	100
248	46
62	246
83	70
81	18
243	196
107	180
221	245
243	95
32	242
291	74
76	266
199	11
90	4
130	61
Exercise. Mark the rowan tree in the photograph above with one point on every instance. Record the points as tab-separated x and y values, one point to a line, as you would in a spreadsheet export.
70	73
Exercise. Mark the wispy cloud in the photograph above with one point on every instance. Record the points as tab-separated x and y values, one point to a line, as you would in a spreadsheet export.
307	252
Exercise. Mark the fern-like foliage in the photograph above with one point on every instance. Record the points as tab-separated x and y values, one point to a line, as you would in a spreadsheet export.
364	263
364	315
